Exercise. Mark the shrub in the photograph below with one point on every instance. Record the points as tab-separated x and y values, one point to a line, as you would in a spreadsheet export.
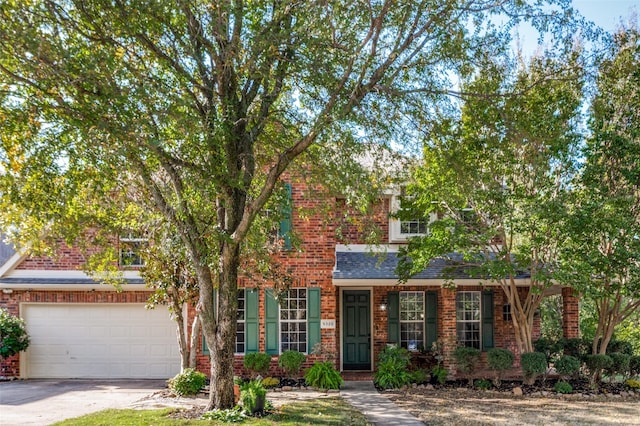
632	384
392	368
440	373
568	366
549	347
270	382
619	365
467	360
323	375
257	362
291	362
533	364
189	382
563	387
634	365
13	334
420	376
620	346
482	384
499	360
575	347
596	365
232	415
252	395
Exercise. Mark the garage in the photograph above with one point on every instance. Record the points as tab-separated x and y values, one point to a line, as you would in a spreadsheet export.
106	341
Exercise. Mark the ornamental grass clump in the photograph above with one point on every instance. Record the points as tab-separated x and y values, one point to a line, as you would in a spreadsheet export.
253	397
323	375
392	372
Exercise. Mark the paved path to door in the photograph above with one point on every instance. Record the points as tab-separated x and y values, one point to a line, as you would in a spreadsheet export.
380	411
42	402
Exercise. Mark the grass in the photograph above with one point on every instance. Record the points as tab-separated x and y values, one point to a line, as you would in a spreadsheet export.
324	411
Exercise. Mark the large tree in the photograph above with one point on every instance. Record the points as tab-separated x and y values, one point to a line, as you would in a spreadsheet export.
202	106
496	178
601	257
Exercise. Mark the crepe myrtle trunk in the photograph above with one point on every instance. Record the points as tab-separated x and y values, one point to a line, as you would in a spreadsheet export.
219	327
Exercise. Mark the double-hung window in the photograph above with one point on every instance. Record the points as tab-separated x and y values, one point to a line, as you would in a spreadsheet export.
474	319
240	323
293	321
130	249
468	318
412	320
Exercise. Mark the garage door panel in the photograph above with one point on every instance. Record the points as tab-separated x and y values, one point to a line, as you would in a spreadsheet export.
100	341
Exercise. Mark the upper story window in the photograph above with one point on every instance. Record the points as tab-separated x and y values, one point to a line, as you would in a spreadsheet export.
130	250
400	230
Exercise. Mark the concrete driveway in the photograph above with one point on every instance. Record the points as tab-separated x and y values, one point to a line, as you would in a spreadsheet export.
42	402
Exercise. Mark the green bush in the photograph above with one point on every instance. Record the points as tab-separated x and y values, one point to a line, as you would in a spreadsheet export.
257	362
632	384
620	346
482	384
533	364
13	334
420	376
467	361
634	365
550	347
189	382
323	375
270	382
232	415
440	373
576	347
499	360
563	387
596	365
568	366
619	365
253	396
392	370
291	362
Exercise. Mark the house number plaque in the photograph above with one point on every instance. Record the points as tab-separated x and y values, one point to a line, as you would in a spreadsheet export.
327	323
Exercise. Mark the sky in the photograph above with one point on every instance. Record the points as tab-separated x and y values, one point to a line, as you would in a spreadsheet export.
606	13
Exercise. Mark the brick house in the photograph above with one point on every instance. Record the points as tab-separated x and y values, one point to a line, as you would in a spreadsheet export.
342	298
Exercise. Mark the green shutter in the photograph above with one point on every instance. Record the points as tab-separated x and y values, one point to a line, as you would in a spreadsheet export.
251	315
431	318
284	231
271	322
205	348
313	318
393	317
487	320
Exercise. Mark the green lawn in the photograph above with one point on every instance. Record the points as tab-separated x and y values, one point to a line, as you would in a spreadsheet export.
325	411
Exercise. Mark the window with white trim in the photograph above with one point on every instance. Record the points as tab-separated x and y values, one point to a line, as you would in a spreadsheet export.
412	320
130	249
240	323
401	230
293	321
468	318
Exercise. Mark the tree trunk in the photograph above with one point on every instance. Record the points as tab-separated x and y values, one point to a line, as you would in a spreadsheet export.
180	332
193	345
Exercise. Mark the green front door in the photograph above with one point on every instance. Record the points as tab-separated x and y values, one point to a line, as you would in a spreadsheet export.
356	330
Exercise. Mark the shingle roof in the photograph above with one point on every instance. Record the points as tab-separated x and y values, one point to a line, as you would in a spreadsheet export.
364	265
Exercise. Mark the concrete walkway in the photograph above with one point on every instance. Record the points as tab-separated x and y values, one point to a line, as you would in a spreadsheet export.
379	410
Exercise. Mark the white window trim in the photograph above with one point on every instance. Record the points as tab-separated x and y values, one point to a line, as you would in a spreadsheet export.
418	321
243	321
298	321
479	320
395	234
130	239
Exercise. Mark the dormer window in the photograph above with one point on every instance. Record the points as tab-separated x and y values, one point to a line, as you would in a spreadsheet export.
401	229
130	251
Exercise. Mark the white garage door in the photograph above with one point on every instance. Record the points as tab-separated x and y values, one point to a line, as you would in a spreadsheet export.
99	341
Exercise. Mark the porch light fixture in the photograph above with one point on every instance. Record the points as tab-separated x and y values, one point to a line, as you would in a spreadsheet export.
383	305
7	290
